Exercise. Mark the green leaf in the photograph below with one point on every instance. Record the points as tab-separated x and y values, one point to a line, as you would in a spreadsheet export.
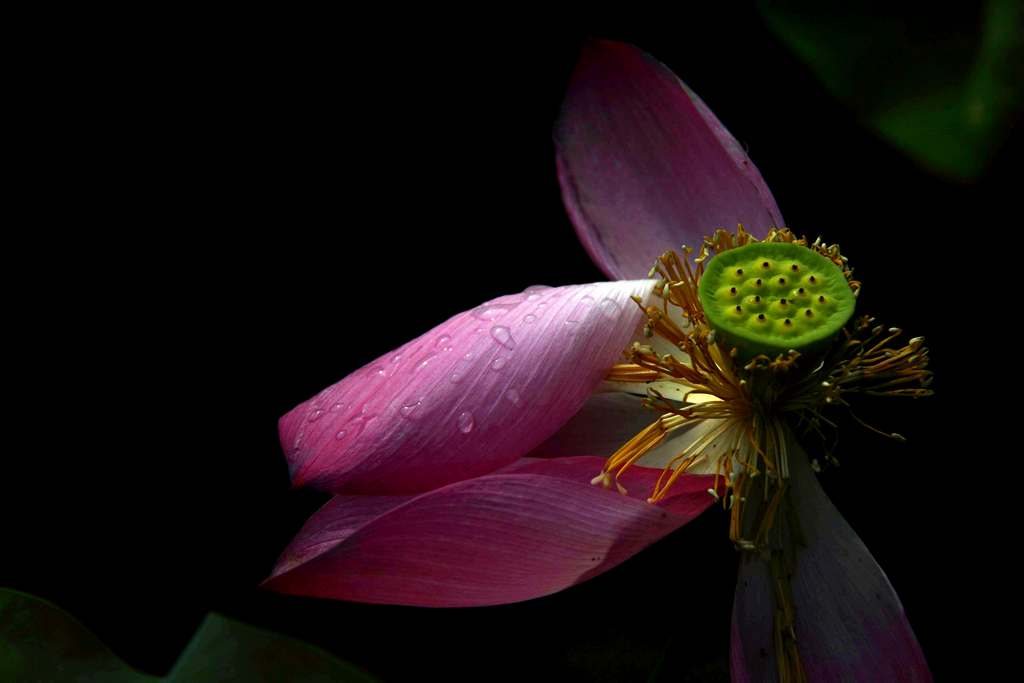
41	642
944	87
228	650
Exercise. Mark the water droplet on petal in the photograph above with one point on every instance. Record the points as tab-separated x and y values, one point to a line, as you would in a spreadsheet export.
424	362
610	308
466	422
339	406
443	339
461	368
409	407
503	336
397	358
580	312
498	363
529	318
533	291
492	311
316	415
353	428
513	396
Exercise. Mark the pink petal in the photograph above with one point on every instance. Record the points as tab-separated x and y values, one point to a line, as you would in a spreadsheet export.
850	625
533	530
470	396
644	164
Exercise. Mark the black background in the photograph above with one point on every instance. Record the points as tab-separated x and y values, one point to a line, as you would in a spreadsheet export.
223	215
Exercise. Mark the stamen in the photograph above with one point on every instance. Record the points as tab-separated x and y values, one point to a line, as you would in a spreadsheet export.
751	399
640	444
631	372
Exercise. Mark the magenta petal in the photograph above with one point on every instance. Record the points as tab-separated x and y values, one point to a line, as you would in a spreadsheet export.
470	396
501	538
850	625
645	166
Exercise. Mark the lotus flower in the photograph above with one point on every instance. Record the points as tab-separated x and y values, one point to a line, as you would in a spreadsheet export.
463	463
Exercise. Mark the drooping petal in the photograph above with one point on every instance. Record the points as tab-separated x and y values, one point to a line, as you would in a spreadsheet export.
531	530
645	166
850	625
472	395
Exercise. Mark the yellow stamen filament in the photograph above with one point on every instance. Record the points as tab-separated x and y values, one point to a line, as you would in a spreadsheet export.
684	460
631	372
635	448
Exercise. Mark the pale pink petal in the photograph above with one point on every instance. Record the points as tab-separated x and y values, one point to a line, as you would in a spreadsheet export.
533	530
850	625
608	420
645	166
601	427
472	395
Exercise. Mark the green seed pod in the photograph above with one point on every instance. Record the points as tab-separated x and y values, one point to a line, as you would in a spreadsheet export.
770	297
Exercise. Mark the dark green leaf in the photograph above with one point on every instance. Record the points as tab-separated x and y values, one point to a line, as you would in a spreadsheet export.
40	642
943	86
227	650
